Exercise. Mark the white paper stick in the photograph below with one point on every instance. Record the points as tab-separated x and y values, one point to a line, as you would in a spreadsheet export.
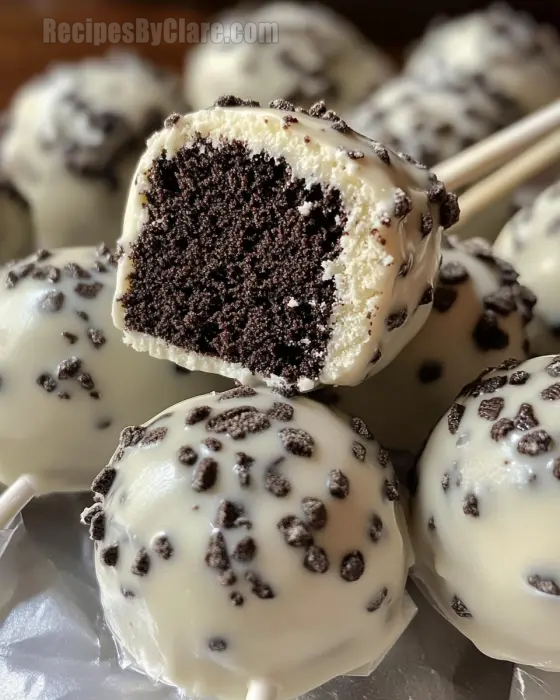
261	689
15	498
508	178
480	159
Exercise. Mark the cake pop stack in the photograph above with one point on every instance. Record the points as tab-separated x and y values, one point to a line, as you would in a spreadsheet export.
68	383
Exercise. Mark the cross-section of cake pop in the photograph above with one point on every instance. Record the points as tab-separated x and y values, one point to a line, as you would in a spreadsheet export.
73	136
299	52
68	384
486	514
277	245
531	241
243	535
478	319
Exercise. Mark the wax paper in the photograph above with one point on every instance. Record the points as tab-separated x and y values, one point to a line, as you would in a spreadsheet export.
54	645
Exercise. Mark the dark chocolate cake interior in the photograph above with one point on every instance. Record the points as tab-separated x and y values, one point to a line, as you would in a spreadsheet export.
228	266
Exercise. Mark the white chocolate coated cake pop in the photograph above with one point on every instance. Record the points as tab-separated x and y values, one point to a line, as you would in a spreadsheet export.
517	56
277	245
243	535
72	140
68	383
316	55
531	241
486	515
478	319
432	121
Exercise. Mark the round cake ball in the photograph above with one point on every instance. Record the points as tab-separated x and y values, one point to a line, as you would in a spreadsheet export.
229	519
517	56
73	137
433	121
15	224
478	319
486	516
243	535
68	384
277	245
531	240
315	54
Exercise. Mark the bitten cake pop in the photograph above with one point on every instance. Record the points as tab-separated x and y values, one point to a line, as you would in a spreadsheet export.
68	384
478	319
433	122
486	514
277	245
514	54
73	137
531	240
243	535
315	54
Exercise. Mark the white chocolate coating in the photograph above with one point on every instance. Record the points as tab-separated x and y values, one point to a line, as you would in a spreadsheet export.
462	336
519	57
319	56
431	121
53	424
378	303
531	241
72	140
486	515
207	602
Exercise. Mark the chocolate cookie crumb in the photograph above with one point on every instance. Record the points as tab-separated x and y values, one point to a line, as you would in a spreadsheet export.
197	415
525	418
141	565
275	482
239	422
97	527
97	338
52	302
295	531
547	586
229	514
501	429
88	291
316	560
261	589
359	451
352	566
535	443
205	475
488	335
104	481
360	428
239	392
242	468
454	417
459	608
110	555
236	598
378	601
281	411
519	378
297	442
551	393
216	553
553	368
213	444
338	484
375	529
391	490
187	456
245	550
70	337
315	513
152	437
446	482
470	506
217	644
162	547
490	409
396	319
453	273
47	382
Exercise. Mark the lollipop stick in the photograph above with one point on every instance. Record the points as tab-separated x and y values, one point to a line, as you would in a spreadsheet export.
483	157
261	689
15	498
509	177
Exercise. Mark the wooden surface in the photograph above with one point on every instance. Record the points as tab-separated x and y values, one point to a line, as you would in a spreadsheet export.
390	23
